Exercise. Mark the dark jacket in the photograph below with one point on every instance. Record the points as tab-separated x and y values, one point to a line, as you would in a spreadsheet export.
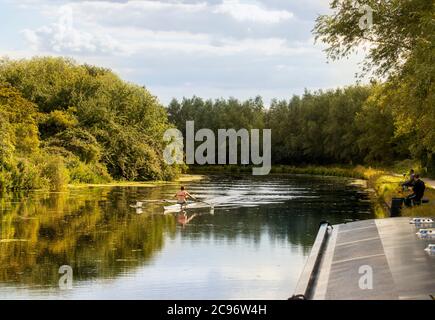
418	189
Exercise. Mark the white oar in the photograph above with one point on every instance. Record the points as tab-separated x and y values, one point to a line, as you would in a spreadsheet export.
207	203
156	201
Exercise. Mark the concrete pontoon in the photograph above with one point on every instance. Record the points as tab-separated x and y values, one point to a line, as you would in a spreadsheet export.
370	260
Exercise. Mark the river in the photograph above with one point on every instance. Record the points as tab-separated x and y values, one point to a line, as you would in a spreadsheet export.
253	245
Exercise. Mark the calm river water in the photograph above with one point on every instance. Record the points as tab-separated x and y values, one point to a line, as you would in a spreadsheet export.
253	246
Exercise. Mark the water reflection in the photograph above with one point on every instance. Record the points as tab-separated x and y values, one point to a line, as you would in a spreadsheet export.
97	233
41	232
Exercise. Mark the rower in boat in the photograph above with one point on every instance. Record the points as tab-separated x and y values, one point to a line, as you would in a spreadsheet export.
182	195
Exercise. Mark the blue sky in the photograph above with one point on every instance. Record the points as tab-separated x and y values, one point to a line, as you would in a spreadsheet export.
208	48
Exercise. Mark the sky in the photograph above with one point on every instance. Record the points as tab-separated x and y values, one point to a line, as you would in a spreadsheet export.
208	48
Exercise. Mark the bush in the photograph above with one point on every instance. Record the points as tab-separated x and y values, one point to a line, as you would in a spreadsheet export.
5	180
54	170
91	112
27	175
87	173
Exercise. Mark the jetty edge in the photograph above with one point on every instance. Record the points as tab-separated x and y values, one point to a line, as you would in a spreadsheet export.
387	250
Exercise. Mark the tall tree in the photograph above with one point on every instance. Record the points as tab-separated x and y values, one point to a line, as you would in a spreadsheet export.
401	49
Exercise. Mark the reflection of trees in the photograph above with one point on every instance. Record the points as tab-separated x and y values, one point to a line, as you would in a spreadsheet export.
83	229
99	235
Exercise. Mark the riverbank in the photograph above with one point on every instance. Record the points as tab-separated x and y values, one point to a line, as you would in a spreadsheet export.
388	186
184	178
358	172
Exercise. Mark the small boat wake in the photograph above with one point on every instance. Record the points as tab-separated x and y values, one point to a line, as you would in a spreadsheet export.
232	194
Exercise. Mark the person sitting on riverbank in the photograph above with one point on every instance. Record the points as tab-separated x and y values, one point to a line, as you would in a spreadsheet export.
410	181
418	189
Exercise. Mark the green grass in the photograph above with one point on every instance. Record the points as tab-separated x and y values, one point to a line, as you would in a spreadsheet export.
424	210
337	171
388	186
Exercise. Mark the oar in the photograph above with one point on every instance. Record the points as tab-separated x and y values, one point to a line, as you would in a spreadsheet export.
140	204
157	201
208	203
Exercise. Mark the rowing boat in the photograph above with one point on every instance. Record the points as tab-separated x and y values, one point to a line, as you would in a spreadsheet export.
190	205
175	207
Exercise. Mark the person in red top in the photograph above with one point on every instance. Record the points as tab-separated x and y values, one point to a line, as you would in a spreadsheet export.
182	196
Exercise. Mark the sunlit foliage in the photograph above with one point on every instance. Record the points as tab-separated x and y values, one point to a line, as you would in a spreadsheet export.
83	118
401	50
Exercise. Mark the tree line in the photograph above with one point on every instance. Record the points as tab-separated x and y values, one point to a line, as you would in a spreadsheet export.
342	126
62	122
390	120
400	50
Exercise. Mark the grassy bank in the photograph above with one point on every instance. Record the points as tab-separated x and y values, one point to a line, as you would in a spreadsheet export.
336	171
387	186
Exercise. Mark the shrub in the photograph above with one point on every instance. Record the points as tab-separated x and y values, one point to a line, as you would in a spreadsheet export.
87	173
56	173
405	165
5	180
27	175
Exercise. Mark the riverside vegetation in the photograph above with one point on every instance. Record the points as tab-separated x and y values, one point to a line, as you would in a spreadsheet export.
61	122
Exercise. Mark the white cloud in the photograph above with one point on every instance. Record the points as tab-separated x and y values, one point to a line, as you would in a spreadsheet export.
252	12
242	11
139	41
63	36
76	32
211	48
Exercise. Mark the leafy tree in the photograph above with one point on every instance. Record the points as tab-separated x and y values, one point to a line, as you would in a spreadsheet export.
401	45
375	121
399	28
19	121
18	139
89	114
55	122
78	141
